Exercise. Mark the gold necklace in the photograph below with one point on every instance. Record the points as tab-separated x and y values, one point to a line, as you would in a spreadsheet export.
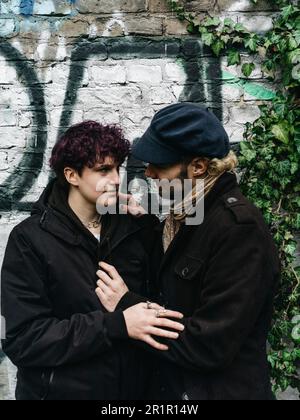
95	224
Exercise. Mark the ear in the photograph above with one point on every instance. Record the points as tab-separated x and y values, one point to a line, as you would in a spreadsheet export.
198	167
71	176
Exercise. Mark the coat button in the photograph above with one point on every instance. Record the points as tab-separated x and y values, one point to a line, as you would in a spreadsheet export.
185	271
232	200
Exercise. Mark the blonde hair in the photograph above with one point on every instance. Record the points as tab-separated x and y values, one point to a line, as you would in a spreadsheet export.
217	167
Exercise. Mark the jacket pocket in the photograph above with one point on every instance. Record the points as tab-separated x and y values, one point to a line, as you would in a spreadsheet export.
188	267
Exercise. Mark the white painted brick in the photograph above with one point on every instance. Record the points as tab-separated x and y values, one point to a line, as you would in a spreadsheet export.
244	114
7	118
235	132
9	6
137	116
3	161
55	115
231	93
60	74
178	91
7	27
175	72
244	5
104	75
161	95
24	120
45	74
51	7
119	96
257	23
54	97
104	116
12	137
8	75
151	75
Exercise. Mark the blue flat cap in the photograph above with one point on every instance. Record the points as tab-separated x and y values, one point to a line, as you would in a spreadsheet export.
182	130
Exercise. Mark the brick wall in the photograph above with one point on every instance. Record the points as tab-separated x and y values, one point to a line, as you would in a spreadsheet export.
62	61
114	61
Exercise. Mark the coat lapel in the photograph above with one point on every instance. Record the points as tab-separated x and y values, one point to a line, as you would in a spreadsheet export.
225	184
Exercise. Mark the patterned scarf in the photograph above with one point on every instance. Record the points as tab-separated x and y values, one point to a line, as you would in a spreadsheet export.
186	208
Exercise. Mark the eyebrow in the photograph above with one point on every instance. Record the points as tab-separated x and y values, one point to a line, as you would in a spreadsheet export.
103	165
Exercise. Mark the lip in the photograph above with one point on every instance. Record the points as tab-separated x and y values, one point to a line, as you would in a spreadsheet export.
112	193
106	191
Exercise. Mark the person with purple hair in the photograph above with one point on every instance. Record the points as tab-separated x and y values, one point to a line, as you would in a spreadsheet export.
64	342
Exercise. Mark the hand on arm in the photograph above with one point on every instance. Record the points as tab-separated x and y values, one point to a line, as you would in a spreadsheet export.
142	322
111	287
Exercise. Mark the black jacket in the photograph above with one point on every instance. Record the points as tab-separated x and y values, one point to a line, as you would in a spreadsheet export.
222	275
64	343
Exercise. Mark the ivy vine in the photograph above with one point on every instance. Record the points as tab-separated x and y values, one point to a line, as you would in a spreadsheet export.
270	156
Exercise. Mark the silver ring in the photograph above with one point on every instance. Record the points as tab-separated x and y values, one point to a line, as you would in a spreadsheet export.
160	313
149	305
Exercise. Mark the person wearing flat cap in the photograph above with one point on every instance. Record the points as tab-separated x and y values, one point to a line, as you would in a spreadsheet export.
222	273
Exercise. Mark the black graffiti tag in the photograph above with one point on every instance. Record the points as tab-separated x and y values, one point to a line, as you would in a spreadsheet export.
23	177
198	71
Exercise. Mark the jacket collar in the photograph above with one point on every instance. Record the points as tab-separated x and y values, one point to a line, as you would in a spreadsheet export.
226	183
57	218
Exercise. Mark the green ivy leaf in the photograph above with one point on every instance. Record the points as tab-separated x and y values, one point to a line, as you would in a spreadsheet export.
218	46
240	28
297	222
237	40
282	132
297	138
191	28
247	152
215	21
284	168
292	43
225	39
287	12
297	35
229	22
291	248
234	58
248	69
208	38
294	169
251	43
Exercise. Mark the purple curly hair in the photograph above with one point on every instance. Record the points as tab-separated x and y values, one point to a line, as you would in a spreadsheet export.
86	144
